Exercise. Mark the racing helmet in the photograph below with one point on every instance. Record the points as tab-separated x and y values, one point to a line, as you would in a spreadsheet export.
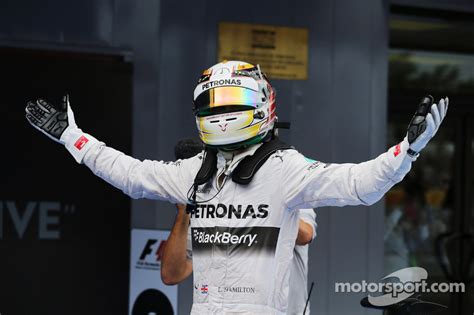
234	105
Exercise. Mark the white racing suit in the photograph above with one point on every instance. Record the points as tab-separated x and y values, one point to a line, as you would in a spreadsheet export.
243	236
298	285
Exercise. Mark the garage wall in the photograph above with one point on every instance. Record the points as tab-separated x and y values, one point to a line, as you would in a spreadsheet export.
337	115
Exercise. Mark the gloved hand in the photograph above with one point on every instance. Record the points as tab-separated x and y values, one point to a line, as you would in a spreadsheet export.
425	123
59	125
51	121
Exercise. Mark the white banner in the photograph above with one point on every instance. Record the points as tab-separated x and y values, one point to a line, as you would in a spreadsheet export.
148	294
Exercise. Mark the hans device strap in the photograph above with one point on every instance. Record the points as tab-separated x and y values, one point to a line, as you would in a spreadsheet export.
243	173
208	167
246	169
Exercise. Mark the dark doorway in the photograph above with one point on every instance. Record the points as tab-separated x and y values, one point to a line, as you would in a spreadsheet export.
64	234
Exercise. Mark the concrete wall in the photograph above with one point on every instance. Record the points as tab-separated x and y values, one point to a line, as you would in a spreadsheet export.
341	105
337	115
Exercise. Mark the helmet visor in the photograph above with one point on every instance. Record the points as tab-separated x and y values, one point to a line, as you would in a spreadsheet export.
225	96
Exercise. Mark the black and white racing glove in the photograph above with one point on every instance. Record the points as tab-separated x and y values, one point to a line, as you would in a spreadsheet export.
425	123
58	124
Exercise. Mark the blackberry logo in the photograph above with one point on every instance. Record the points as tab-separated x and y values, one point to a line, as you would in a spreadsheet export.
231	239
224	238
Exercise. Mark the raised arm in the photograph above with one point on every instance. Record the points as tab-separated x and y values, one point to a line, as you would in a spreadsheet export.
138	179
175	265
311	184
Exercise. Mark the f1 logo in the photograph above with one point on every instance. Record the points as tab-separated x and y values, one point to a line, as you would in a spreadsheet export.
147	249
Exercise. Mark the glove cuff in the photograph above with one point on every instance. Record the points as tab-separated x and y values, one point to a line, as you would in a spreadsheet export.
77	142
413	154
399	154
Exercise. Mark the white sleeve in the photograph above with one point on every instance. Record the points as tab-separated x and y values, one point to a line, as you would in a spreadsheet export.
310	184
309	216
189	246
142	179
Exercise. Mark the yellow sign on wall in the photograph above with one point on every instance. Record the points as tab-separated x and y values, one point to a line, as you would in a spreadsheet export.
282	52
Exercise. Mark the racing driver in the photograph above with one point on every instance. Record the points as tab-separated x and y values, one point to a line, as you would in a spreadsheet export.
243	190
177	259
